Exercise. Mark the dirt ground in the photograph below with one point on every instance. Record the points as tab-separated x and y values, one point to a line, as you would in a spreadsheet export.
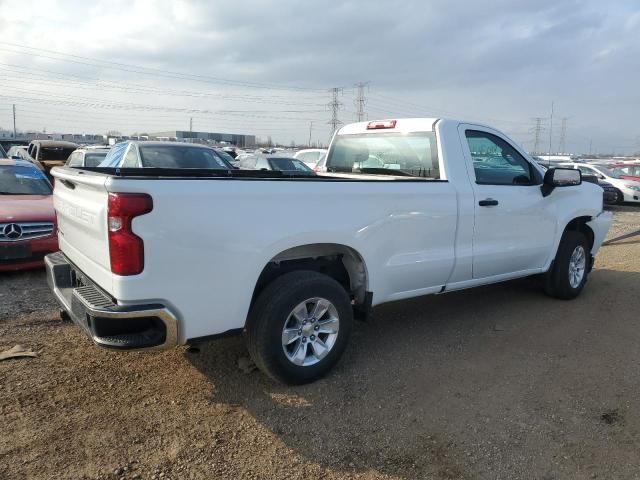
499	382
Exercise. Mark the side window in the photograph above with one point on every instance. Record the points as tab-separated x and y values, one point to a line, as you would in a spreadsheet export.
590	171
495	162
131	158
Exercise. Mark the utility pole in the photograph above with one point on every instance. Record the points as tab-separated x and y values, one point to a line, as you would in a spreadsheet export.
360	101
190	124
551	128
14	121
310	128
537	131
563	135
335	106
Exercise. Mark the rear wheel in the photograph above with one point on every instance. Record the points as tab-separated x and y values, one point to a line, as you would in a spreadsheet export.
299	327
568	274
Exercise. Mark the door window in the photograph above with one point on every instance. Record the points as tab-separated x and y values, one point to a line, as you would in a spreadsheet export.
496	162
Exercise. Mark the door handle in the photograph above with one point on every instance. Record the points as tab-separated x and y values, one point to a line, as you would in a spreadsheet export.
488	202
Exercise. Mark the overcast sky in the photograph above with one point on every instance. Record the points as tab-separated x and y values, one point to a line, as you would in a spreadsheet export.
265	68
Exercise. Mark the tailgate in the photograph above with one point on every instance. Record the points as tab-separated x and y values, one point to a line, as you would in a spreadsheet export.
80	200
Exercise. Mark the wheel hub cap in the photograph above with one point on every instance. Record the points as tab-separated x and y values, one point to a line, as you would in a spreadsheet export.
310	331
577	266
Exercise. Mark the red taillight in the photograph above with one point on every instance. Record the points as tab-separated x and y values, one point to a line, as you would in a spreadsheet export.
126	249
381	124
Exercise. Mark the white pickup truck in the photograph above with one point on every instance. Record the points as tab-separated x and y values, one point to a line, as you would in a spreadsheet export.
157	257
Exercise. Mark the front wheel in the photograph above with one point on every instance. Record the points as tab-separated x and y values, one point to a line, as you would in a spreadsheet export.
299	326
568	274
619	197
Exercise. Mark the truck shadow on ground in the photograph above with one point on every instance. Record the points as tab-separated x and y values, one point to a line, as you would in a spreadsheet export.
439	386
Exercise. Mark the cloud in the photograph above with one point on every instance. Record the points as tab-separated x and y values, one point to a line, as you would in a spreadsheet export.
503	60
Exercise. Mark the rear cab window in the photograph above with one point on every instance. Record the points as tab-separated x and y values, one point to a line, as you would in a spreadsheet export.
397	154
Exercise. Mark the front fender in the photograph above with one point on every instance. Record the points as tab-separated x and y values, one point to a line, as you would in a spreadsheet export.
600	225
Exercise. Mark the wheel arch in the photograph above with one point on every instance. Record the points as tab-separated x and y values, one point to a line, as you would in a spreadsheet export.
341	262
579	224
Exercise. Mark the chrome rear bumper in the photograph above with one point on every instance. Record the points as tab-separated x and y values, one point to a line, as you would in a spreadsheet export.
130	327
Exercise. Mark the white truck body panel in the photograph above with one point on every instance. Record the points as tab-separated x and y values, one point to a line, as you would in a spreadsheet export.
206	241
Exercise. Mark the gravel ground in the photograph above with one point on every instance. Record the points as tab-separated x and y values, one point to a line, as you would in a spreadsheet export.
499	382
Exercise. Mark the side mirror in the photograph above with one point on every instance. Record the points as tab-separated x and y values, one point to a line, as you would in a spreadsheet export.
560	177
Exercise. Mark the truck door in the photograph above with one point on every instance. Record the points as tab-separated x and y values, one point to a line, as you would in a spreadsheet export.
515	225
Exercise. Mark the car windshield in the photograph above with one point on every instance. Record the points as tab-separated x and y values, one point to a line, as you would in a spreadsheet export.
19	180
400	154
93	159
288	165
178	156
606	172
55	153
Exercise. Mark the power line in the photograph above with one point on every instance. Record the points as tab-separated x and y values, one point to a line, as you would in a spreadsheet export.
537	130
335	105
563	135
361	101
551	127
131	68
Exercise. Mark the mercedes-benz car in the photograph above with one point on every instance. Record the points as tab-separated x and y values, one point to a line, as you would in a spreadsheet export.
27	217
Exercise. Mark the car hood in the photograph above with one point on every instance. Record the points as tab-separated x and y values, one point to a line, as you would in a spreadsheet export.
26	208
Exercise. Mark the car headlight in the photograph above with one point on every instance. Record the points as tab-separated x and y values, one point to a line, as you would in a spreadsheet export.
635	188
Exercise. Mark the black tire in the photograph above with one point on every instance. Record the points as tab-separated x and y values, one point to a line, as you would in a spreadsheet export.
556	280
619	197
271	312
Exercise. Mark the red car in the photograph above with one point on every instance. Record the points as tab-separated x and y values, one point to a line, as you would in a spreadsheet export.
630	171
27	217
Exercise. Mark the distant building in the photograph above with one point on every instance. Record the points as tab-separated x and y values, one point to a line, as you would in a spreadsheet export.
207	137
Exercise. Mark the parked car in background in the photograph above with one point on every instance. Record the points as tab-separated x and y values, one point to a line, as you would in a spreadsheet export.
273	162
288	164
50	153
290	260
629	191
610	195
3	153
310	156
231	159
27	217
148	154
18	152
231	151
630	171
87	157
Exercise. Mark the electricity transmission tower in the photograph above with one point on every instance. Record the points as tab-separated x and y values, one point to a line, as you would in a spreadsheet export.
537	134
335	105
563	135
360	101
